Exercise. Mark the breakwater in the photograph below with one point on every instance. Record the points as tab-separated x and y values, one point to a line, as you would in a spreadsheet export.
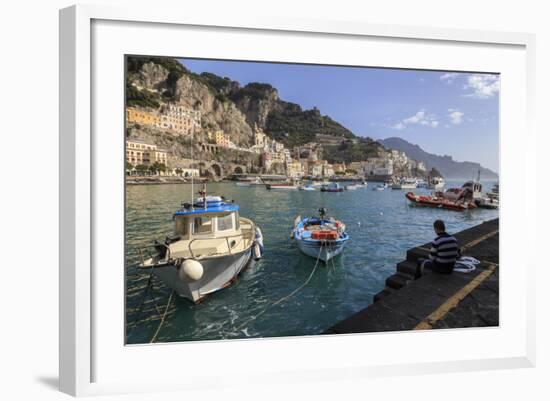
413	302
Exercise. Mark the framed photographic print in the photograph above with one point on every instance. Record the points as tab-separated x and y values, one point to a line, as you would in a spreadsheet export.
347	196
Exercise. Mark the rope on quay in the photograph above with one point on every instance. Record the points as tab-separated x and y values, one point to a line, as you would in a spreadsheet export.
286	296
163	318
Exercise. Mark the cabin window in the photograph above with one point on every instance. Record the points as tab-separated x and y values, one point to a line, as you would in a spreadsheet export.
225	222
182	226
202	225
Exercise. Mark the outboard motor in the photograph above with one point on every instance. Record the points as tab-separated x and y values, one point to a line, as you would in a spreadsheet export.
322	212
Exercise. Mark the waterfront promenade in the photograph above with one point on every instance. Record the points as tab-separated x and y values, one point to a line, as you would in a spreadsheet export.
435	301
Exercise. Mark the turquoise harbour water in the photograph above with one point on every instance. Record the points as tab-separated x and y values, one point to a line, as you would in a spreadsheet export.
381	224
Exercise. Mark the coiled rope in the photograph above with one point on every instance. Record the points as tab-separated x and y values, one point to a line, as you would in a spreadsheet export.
286	296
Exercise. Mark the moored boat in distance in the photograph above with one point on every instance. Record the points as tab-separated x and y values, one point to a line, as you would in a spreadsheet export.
435	201
282	186
422	184
405	183
436	183
352	187
250	183
211	246
380	187
306	188
320	237
332	187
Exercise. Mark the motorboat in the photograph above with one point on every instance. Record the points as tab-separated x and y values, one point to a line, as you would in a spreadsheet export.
320	183
436	183
487	202
380	187
405	183
320	237
282	186
210	247
435	201
352	187
332	187
422	184
306	188
250	183
472	187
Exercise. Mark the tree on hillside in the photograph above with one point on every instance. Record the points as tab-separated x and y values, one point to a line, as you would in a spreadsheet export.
141	169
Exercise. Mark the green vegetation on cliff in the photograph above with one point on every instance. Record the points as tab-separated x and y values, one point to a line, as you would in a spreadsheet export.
296	127
352	151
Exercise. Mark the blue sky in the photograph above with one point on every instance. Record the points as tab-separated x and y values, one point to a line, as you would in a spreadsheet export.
446	113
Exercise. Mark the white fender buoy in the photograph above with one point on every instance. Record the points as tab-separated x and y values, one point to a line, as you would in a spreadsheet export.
258	244
257	252
191	269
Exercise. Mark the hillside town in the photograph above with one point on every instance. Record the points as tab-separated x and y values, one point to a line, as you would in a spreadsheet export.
273	157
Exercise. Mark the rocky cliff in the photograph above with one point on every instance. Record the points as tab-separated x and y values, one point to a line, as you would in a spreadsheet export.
224	104
448	167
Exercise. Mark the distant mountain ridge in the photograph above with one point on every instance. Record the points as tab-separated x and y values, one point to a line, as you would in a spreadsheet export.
445	164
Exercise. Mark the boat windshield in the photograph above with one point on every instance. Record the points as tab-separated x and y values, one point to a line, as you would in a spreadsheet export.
202	225
225	222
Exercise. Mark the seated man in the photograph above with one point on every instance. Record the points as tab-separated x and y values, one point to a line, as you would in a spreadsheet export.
443	253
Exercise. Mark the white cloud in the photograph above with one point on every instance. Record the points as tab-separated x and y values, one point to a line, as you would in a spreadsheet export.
399	126
455	116
482	86
448	77
420	118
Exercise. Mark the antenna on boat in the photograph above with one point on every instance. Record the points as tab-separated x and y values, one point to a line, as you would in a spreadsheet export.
204	195
192	170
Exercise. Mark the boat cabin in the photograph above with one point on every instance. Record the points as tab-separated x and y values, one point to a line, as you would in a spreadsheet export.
473	185
217	219
210	227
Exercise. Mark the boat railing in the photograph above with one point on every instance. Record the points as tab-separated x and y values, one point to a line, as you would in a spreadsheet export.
243	236
145	252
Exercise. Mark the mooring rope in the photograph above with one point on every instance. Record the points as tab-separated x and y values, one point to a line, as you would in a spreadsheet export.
286	296
162	319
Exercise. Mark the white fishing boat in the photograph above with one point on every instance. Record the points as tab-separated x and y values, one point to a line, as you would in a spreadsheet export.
320	183
380	187
405	183
437	183
282	186
306	188
250	183
211	245
332	187
422	184
320	237
352	187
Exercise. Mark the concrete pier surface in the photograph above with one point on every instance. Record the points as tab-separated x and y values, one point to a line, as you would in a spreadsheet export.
434	301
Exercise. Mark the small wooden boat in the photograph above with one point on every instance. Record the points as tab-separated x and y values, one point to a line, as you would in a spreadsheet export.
438	202
320	237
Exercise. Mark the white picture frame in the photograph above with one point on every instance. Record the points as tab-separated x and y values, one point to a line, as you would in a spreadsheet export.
82	347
